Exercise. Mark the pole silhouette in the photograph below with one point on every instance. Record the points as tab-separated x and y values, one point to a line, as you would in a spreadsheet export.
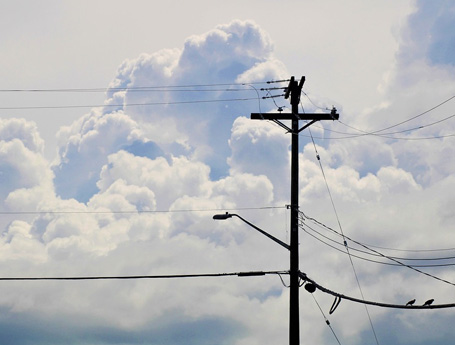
293	91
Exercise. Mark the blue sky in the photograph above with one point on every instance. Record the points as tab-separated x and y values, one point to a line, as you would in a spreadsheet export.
103	180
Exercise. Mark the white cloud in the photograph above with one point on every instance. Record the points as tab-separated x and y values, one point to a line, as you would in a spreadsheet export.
21	167
266	143
136	191
25	175
167	180
27	132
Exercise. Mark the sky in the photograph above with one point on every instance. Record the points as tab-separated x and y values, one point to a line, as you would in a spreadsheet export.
124	127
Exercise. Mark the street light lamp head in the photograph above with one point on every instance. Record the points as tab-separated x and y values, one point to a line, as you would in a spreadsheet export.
222	216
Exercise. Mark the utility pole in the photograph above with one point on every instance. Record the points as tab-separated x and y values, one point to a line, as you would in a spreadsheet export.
293	91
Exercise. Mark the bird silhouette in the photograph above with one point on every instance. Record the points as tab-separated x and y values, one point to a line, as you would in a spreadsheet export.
411	302
427	303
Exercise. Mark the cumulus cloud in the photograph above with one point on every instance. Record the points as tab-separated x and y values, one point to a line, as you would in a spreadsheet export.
134	188
266	143
227	54
26	178
238	52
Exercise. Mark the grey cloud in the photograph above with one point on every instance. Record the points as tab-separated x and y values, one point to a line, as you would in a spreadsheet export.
431	33
33	329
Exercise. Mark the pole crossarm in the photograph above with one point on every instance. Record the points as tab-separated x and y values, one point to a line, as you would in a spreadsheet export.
291	116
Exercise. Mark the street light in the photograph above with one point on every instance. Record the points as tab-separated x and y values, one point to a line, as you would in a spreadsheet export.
227	215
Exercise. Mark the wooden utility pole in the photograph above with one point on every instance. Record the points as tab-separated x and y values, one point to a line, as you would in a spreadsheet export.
294	90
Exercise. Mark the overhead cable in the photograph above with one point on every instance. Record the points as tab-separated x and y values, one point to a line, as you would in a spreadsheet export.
326	320
377	304
344	241
135	277
141	211
374	254
322	225
397	261
128	104
371	260
131	88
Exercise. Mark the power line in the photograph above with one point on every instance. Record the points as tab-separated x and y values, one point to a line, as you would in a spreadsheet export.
322	225
399	123
395	260
326	320
384	136
387	135
366	259
135	88
135	277
345	243
117	89
416	116
140	211
377	304
127	104
397	132
372	254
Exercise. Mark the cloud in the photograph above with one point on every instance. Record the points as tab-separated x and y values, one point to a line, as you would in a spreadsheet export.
25	131
167	180
24	172
239	50
85	146
265	143
429	34
136	187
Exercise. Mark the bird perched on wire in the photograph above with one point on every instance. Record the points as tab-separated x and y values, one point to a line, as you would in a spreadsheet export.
427	303
411	302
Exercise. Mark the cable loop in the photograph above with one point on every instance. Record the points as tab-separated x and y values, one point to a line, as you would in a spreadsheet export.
335	304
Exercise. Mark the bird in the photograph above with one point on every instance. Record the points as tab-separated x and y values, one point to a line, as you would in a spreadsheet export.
427	303
411	302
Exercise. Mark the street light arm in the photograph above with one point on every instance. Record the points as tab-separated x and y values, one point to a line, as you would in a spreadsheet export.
273	238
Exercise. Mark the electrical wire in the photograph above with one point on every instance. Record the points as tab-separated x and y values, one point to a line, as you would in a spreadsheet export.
416	116
399	123
384	136
396	261
373	303
134	88
304	216
258	97
140	211
311	101
373	254
326	320
366	259
388	135
135	277
127	104
397	132
345	243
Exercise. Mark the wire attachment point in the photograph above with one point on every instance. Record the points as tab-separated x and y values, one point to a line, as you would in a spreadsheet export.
335	304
